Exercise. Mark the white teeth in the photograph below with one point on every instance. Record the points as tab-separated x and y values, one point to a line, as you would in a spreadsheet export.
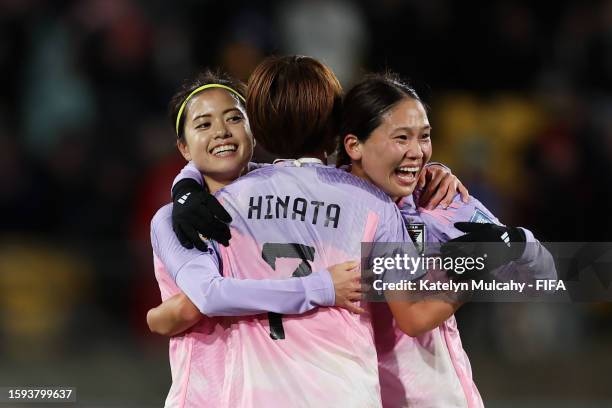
224	148
409	169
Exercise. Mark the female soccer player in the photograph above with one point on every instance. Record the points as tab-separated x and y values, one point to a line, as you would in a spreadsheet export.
386	140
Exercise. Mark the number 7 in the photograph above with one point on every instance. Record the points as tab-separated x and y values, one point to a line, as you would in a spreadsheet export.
270	252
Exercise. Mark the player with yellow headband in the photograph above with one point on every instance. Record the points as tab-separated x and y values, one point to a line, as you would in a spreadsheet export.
179	116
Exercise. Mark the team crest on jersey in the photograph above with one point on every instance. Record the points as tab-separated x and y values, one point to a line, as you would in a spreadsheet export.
481	218
417	234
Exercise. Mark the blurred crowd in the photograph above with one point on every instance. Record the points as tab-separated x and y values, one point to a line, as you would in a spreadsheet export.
520	97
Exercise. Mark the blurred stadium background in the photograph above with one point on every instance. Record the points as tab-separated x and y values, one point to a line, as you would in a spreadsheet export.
521	106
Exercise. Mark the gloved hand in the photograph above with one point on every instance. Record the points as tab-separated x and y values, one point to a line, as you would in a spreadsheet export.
477	242
194	212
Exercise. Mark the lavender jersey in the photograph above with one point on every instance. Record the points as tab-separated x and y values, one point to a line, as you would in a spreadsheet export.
194	384
289	220
198	357
433	370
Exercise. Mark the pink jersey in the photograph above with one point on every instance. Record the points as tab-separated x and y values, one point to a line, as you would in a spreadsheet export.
433	370
289	221
197	357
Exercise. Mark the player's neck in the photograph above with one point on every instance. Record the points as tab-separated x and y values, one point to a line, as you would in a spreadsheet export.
217	181
215	185
357	170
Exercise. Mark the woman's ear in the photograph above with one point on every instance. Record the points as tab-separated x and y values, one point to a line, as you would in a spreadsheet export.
184	149
352	145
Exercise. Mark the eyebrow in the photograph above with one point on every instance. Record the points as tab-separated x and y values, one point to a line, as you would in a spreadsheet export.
409	129
204	115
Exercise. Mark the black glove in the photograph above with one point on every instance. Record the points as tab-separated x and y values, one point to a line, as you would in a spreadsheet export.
478	241
194	211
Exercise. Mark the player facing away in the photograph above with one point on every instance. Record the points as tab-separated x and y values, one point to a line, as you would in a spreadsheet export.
214	119
384	123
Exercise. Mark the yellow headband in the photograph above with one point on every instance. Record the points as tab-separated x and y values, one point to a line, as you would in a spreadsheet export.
200	89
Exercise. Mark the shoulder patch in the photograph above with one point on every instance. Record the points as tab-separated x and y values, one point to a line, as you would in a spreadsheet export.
481	218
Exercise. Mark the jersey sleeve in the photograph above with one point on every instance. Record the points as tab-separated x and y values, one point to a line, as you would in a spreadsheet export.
197	274
189	171
536	261
440	221
254	166
392	228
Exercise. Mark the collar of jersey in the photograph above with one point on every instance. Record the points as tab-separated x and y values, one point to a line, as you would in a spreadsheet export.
301	161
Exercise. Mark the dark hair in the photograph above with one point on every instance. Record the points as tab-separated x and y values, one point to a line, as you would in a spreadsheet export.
293	105
203	78
365	104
